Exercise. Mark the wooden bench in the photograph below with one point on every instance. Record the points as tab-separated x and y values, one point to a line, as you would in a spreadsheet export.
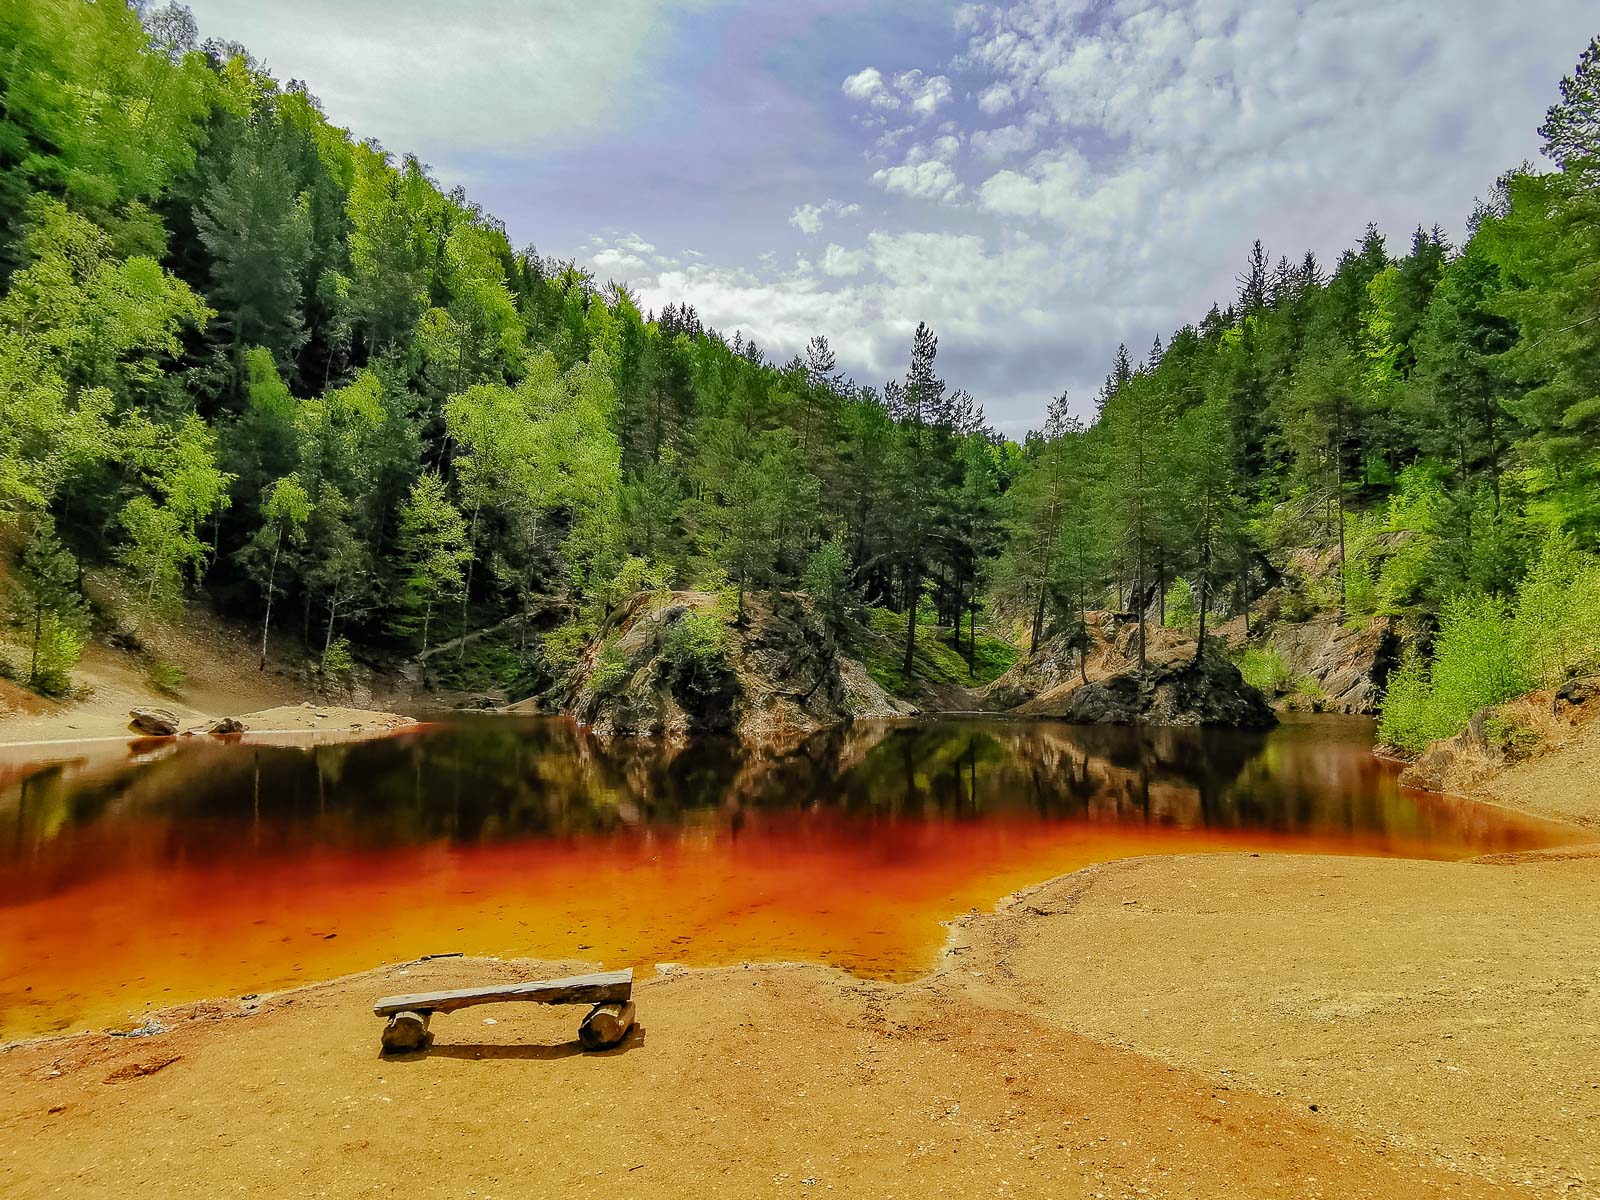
610	993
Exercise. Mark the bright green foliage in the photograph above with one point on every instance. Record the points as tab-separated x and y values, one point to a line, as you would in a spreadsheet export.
478	334
166	676
433	555
1182	612
1487	653
694	662
1557	613
50	609
1263	668
610	669
88	111
162	525
827	579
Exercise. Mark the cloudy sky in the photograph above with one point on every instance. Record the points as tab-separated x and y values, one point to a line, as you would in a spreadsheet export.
1039	180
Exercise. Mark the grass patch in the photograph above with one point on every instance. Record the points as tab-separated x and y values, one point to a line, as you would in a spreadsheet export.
935	663
492	663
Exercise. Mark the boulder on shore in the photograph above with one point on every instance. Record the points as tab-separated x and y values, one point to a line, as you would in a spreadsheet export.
158	722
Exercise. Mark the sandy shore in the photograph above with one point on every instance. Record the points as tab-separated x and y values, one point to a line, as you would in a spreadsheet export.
1205	1026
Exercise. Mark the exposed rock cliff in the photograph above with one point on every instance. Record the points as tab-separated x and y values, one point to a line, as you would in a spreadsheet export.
671	666
1172	689
1349	667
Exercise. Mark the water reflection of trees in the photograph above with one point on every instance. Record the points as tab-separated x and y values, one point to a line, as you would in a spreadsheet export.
494	779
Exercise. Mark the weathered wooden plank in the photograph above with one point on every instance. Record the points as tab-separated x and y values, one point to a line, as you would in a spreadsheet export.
607	987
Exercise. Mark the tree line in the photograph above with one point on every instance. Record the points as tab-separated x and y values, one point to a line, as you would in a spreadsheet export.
1427	421
244	352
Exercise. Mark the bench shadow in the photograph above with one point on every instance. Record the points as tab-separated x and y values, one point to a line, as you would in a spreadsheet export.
543	1053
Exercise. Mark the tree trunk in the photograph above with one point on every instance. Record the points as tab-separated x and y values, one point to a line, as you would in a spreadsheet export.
1139	600
466	587
1338	459
266	621
913	584
38	633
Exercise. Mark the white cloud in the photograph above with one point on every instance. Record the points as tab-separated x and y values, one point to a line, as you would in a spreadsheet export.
995	98
839	262
809	218
1005	141
421	73
922	93
868	87
929	179
1143	145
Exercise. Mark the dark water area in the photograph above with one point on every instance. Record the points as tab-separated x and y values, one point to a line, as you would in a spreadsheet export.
198	868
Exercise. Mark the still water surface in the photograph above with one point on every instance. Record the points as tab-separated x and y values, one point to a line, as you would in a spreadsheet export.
198	869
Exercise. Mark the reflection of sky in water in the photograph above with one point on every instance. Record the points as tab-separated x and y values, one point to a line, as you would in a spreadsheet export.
208	868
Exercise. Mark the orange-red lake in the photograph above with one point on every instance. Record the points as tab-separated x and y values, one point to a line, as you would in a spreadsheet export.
148	877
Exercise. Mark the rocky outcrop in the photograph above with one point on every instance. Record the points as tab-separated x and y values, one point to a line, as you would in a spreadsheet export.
1185	692
1349	667
1171	689
672	666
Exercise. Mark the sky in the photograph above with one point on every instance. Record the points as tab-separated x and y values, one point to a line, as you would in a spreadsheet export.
1038	180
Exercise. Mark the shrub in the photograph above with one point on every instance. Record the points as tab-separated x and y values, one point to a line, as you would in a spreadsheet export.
60	645
336	658
1487	652
828	580
564	644
1558	612
610	669
1263	668
695	665
1360	592
638	575
166	676
1476	664
1405	718
1181	611
1512	737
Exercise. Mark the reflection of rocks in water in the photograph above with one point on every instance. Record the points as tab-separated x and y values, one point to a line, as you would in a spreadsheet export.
494	780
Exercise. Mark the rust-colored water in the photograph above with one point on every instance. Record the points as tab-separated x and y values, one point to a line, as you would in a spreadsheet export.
212	870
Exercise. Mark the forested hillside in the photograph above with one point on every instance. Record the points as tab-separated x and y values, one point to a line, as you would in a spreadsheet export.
244	353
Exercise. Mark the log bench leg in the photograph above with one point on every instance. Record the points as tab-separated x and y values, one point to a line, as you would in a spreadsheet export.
606	1026
406	1031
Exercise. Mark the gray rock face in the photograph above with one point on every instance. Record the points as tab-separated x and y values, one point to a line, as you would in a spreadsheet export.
158	722
1350	666
1211	692
780	677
